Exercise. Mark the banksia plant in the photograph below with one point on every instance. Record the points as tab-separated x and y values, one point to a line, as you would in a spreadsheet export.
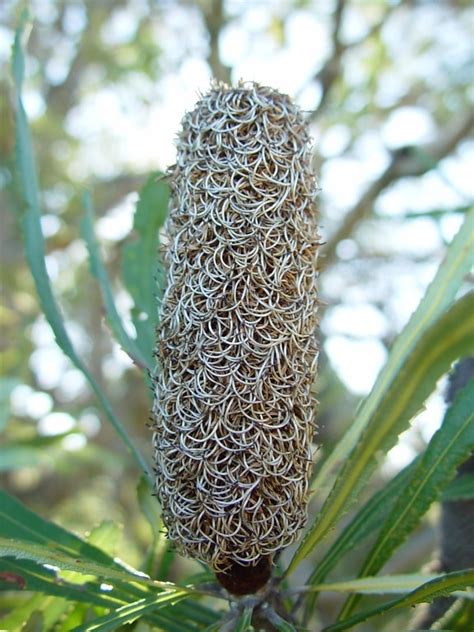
234	413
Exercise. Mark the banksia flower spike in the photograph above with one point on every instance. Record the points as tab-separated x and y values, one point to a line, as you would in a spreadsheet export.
233	410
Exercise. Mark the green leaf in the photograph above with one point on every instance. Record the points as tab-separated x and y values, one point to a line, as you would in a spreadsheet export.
14	457
439	295
458	617
462	488
17	521
16	619
7	384
159	555
364	523
45	580
141	271
437	212
447	339
131	612
20	549
449	447
439	587
279	623
128	344
35	251
244	622
106	536
373	585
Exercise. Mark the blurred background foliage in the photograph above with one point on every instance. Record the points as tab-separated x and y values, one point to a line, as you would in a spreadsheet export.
387	87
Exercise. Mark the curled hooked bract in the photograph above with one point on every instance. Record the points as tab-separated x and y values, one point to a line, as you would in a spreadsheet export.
236	348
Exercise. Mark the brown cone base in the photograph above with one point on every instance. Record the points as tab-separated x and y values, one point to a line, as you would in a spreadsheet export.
246	580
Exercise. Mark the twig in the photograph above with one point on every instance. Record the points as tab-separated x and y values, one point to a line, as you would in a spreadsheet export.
405	162
214	19
331	70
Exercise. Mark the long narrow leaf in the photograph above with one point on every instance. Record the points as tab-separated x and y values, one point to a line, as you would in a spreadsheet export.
131	612
17	521
449	338
244	623
35	251
382	585
449	447
19	549
364	523
439	295
440	587
40	579
141	270
128	344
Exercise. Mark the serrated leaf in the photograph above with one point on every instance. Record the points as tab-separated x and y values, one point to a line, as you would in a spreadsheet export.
447	339
141	270
131	612
128	344
439	295
45	580
364	523
439	587
16	520
54	557
449	447
35	251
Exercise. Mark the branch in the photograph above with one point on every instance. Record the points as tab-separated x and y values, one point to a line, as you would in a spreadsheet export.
407	161
331	70
214	19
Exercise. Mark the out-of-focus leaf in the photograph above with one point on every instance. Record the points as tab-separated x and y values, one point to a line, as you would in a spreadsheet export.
159	556
141	270
128	344
106	536
438	212
35	251
439	587
7	384
15	457
447	339
461	488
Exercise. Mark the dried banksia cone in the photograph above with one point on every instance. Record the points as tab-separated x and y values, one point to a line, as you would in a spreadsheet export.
234	412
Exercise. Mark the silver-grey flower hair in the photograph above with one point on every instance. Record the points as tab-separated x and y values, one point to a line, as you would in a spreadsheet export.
234	410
